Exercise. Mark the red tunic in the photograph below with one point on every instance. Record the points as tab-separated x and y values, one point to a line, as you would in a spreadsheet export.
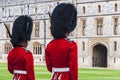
62	53
21	60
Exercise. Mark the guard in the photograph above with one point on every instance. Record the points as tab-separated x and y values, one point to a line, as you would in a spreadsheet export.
20	60
61	53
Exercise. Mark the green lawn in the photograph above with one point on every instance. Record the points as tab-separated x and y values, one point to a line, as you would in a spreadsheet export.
84	73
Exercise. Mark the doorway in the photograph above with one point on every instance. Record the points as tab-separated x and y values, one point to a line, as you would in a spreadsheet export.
99	58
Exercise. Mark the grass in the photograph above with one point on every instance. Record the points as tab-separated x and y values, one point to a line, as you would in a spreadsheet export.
99	74
41	73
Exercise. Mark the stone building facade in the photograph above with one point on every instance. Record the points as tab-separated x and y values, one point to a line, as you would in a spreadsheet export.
97	33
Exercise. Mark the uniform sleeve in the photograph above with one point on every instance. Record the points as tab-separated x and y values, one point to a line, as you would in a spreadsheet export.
47	60
29	65
73	62
10	68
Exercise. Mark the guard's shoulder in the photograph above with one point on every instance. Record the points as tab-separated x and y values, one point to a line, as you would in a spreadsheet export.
24	49
28	52
69	40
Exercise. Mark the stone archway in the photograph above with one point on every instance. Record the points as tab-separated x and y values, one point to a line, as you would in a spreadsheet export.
99	57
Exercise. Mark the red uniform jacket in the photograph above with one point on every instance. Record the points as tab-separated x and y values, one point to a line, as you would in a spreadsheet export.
20	59
62	53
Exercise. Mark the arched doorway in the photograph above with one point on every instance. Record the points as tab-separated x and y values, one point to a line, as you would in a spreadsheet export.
99	58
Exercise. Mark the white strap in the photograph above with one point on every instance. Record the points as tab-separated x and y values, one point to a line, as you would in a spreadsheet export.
60	69
20	72
66	69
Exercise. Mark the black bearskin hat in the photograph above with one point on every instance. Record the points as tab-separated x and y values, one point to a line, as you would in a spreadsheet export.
22	29
63	20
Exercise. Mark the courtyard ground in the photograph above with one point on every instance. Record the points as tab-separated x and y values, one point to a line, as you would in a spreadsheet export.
41	73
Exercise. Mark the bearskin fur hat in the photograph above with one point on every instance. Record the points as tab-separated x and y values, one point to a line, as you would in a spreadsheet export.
63	20
22	29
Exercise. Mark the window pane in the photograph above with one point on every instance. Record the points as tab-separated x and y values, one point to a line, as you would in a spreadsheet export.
115	26
36	29
84	27
37	49
99	26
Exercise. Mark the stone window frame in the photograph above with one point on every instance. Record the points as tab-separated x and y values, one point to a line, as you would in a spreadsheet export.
99	26
83	22
83	59
83	46
115	7
36	29
37	48
114	60
83	9
115	45
99	8
115	25
7	48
